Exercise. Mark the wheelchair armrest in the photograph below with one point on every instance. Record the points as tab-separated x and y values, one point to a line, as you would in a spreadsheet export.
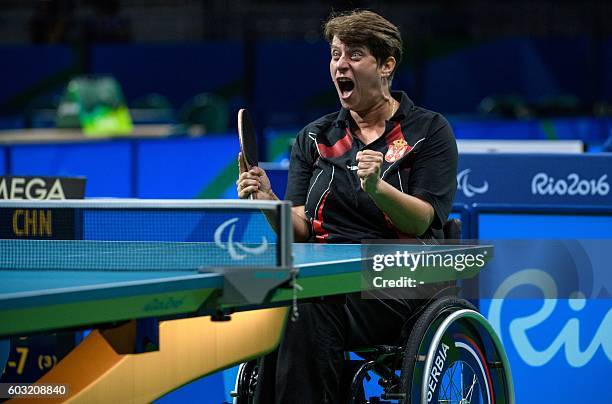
452	229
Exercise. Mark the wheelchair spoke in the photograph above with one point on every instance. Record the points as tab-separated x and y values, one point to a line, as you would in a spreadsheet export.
461	396
446	394
450	390
470	392
461	380
456	391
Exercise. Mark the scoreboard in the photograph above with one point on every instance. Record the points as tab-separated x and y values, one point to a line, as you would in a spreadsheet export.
31	357
51	224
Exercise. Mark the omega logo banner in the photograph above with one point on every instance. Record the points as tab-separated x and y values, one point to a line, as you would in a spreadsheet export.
547	179
41	188
29	223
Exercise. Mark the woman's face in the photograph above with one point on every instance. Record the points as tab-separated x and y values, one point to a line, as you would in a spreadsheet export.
357	76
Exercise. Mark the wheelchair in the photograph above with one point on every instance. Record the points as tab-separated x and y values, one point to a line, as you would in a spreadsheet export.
448	353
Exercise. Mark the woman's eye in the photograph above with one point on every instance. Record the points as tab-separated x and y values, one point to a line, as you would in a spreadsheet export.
356	55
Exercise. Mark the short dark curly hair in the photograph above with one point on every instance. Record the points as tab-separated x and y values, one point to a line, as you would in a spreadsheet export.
366	28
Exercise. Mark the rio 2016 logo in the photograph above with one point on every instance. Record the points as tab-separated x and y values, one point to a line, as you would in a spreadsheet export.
543	184
568	338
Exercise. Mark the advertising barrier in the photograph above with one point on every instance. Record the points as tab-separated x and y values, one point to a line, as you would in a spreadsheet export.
551	340
535	179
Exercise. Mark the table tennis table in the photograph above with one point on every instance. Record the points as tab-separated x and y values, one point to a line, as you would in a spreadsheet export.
168	309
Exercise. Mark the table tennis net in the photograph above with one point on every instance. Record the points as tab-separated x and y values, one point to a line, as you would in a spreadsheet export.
136	239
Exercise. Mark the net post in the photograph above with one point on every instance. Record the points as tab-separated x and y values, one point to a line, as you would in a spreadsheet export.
285	235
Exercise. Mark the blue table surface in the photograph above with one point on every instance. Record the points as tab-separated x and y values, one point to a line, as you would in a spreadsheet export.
311	259
307	256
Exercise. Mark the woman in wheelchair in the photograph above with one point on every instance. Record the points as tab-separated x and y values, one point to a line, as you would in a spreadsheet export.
379	168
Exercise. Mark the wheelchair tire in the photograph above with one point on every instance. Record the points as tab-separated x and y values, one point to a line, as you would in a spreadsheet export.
246	382
446	358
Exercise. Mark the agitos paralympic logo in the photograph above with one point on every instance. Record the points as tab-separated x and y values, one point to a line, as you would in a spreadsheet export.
236	249
468	189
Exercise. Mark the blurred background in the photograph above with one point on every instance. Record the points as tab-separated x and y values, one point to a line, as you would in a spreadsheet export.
140	98
175	61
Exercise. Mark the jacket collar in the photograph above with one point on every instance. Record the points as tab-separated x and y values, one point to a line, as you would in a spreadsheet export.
406	105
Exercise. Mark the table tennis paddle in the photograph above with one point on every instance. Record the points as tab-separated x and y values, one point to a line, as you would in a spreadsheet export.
248	140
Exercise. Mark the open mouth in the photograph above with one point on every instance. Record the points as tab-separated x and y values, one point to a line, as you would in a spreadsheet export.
346	86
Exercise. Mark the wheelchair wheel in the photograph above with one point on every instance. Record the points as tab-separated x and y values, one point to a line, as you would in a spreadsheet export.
246	382
454	356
